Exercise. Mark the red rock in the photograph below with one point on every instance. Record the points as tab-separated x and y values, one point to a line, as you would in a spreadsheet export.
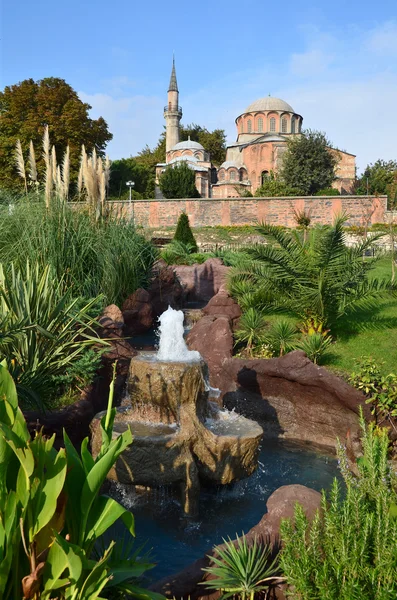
202	282
213	338
293	398
224	305
138	312
165	289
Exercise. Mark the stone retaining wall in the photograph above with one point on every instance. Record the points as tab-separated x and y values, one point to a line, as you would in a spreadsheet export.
248	211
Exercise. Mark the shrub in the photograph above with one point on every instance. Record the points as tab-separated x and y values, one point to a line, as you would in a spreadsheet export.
381	390
179	181
183	232
273	186
241	570
52	514
328	192
349	551
178	253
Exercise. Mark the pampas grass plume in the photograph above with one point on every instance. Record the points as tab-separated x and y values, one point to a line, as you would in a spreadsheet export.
66	173
20	163
32	162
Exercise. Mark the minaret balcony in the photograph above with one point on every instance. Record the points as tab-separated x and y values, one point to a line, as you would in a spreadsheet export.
173	109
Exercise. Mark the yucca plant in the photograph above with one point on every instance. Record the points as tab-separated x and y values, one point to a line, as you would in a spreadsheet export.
315	345
281	337
321	276
250	329
242	570
349	551
56	329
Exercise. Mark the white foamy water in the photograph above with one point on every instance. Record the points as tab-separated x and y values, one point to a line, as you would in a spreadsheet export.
172	346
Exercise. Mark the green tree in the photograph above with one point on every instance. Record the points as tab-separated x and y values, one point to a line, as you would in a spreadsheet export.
274	186
379	178
179	182
214	142
184	233
309	163
128	169
320	277
26	107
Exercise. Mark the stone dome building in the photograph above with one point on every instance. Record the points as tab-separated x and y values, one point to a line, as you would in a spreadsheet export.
263	130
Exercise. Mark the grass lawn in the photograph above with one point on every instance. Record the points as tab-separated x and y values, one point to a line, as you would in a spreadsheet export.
369	334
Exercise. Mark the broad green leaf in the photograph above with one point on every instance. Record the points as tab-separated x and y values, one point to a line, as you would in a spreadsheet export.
56	564
46	501
86	457
106	511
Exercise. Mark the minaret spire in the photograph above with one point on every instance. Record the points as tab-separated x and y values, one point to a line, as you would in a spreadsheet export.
173	82
172	112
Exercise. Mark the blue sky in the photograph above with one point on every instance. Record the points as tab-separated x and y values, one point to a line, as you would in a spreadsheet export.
334	62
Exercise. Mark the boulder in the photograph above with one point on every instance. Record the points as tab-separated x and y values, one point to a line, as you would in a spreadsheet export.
201	282
138	312
281	505
165	290
111	320
294	399
223	305
213	338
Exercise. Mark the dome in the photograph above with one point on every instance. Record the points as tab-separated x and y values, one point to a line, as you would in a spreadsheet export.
230	163
188	145
269	103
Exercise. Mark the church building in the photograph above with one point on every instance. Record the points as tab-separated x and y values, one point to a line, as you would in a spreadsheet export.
263	130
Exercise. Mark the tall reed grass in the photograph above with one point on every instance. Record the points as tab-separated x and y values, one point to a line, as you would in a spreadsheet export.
106	257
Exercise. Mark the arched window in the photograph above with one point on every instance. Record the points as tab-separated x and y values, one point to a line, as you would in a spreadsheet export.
243	175
249	125
264	176
233	174
221	175
293	125
272	124
284	124
260	124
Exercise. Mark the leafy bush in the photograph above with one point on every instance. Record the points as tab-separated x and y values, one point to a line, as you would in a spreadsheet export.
52	513
178	253
107	258
241	570
381	390
49	331
179	181
274	186
184	233
349	551
328	192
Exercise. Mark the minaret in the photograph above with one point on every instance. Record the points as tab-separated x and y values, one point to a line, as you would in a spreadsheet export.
172	112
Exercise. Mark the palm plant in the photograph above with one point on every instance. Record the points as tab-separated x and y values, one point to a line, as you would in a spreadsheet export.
315	345
320	277
242	570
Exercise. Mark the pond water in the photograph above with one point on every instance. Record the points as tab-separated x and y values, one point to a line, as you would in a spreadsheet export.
224	511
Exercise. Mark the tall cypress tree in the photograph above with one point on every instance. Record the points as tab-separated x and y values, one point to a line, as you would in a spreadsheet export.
183	232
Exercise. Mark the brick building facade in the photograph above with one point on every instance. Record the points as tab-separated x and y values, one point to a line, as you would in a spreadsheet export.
263	130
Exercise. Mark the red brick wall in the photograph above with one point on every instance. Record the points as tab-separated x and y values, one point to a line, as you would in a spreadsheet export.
248	211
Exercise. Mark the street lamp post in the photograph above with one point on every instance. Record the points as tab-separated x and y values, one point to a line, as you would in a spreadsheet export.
130	185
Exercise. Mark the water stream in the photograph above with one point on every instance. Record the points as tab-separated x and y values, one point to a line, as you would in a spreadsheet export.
224	510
